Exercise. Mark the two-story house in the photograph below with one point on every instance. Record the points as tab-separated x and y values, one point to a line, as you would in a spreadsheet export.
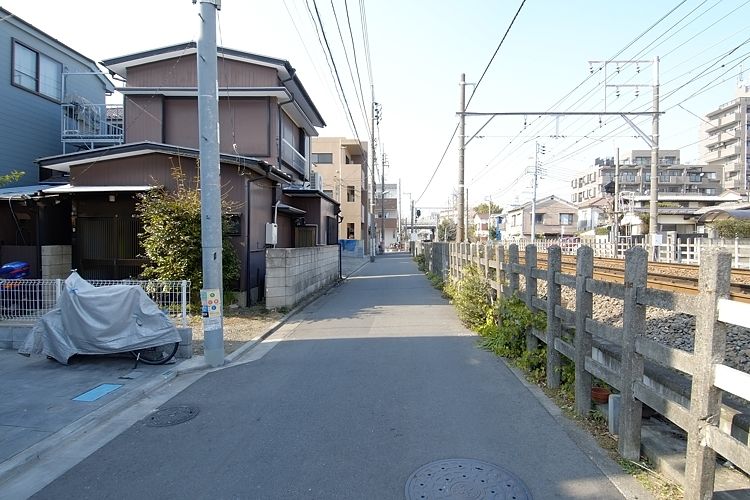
266	119
554	217
51	97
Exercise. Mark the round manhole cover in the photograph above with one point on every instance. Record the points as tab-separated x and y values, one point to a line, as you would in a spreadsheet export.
459	478
171	416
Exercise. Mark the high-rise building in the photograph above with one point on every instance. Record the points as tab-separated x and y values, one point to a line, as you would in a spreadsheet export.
725	137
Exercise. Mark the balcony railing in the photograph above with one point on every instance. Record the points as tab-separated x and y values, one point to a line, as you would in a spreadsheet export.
92	124
292	157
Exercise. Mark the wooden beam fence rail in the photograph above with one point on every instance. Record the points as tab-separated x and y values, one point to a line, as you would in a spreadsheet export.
501	268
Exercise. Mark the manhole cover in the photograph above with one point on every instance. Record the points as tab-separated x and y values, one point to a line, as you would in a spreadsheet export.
171	416
459	478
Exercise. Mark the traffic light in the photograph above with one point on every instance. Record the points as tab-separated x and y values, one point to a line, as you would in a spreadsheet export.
419	212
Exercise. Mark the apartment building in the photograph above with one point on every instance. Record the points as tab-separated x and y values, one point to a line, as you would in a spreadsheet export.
635	177
726	140
386	214
341	168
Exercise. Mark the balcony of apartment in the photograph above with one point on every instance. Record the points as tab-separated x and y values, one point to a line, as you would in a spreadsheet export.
91	125
723	108
723	153
726	137
724	122
292	157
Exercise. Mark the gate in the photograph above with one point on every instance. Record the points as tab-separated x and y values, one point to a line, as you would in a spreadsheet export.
107	248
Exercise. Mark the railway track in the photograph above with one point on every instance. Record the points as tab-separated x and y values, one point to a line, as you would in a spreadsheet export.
680	278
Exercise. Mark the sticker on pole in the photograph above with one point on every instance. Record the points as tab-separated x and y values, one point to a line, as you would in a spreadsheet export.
211	309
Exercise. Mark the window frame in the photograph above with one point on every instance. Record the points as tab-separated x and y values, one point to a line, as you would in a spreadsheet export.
567	215
351	194
37	68
317	160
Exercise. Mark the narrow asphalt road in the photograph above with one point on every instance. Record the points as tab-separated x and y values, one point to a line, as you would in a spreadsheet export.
368	384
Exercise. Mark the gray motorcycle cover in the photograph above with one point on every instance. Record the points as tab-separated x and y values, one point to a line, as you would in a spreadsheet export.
99	320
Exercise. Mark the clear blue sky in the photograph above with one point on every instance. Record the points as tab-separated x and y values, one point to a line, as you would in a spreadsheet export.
419	49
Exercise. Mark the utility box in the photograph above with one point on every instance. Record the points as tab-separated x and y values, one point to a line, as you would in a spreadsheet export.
271	233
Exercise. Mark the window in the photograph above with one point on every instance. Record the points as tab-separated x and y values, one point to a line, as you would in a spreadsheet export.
694	177
566	219
322	157
350	197
711	175
36	72
539	218
349	230
328	192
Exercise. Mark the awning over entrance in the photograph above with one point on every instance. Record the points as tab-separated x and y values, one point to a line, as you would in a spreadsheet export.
290	210
719	214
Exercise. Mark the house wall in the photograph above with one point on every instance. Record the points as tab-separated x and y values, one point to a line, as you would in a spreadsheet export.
30	125
144	118
182	72
294	273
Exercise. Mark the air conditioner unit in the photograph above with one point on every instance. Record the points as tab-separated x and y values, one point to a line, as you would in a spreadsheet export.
316	181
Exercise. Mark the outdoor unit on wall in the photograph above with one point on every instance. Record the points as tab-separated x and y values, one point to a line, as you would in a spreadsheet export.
271	233
316	181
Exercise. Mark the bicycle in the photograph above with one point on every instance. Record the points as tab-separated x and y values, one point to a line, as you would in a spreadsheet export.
158	355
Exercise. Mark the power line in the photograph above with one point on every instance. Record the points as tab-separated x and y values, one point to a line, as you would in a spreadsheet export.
453	135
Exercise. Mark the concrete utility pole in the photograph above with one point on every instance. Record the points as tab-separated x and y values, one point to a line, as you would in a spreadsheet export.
653	212
372	183
616	206
210	181
383	164
460	235
537	149
411	231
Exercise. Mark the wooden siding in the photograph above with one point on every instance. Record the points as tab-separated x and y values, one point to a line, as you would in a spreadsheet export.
182	72
143	118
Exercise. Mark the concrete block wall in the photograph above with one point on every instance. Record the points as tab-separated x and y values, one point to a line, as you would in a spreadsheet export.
294	273
57	261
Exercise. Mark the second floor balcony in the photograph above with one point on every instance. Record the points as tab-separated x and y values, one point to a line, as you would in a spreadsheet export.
292	157
91	125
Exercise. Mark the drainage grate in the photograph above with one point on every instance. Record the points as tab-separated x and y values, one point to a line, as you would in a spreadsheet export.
460	478
171	416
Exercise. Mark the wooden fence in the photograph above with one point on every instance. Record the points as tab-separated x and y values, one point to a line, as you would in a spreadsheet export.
700	418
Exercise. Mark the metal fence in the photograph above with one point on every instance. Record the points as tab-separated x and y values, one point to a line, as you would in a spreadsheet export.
27	300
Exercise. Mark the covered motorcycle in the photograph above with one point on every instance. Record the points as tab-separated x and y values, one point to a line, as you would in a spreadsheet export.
99	320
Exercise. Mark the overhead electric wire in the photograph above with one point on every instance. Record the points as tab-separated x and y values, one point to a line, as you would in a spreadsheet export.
561	100
347	108
360	98
453	135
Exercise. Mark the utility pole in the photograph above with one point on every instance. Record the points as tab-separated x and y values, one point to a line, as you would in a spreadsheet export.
537	149
466	214
615	219
653	212
383	164
373	229
460	236
398	211
210	181
411	231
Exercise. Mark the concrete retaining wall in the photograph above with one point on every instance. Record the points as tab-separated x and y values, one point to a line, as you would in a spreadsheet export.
294	273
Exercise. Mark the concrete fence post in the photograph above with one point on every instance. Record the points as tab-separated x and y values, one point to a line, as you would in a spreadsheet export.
631	365
500	272
554	326
584	310
532	342
705	398
512	273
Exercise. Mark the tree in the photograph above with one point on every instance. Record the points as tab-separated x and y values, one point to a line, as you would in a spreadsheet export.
446	230
488	208
732	228
171	235
13	176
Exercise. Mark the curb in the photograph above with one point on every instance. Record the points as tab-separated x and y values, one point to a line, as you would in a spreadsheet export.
627	485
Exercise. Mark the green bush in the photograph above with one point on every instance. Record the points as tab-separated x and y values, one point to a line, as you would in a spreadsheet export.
471	297
421	262
505	329
732	228
171	237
